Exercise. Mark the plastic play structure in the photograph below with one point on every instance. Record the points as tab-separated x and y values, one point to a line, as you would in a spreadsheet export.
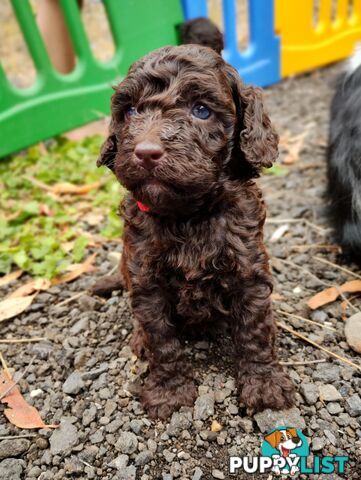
286	37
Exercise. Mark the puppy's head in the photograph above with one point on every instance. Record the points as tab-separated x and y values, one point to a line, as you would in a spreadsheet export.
202	31
182	124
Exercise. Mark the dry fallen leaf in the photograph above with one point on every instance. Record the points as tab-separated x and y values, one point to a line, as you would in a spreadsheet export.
11	307
70	188
10	277
293	145
344	306
74	271
332	293
216	427
19	412
31	287
276	296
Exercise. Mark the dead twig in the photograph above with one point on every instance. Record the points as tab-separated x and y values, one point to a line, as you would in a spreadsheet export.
304	362
70	299
316	246
331	264
11	437
329	352
85	463
18	380
5	367
23	340
286	314
276	221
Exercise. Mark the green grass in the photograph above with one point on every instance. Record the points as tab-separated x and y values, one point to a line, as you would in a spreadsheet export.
42	233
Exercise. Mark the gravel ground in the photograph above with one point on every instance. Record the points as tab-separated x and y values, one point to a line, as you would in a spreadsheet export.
86	378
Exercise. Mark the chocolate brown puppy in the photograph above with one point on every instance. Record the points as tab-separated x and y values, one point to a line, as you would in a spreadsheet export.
187	139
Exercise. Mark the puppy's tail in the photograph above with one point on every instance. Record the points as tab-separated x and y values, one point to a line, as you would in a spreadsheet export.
201	31
355	61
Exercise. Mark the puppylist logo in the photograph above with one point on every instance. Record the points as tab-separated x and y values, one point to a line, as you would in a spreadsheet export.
284	452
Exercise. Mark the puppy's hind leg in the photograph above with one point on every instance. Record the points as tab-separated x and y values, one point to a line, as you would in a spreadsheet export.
105	286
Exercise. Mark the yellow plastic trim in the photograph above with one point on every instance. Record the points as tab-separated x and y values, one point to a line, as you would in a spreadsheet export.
304	45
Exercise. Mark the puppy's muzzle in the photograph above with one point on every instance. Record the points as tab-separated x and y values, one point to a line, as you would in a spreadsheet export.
148	154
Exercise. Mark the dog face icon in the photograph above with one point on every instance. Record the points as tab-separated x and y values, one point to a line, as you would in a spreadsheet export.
284	440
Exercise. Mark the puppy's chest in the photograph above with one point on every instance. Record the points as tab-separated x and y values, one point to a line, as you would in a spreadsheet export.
200	278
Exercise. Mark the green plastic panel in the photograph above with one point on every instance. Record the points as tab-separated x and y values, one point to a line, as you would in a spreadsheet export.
56	103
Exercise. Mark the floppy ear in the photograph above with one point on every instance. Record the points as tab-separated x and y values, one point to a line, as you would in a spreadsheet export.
273	438
108	151
258	140
292	432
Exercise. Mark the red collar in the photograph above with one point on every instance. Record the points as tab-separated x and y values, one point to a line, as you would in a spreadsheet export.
142	207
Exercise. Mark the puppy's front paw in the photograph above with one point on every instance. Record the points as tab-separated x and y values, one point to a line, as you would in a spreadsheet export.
161	400
266	386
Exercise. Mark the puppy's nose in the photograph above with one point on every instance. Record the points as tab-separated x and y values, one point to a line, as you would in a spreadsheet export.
148	154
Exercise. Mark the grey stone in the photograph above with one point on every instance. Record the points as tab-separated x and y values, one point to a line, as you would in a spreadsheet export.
204	406
119	462
246	424
86	304
11	469
80	326
221	395
152	445
73	466
353	332
328	393
89	415
136	426
113	426
127	443
269	419
310	392
176	469
331	437
326	373
318	443
13	447
198	474
167	476
34	472
73	384
233	409
64	438
97	437
105	393
168	455
93	374
180	421
319	316
334	408
218	474
353	405
129	473
143	458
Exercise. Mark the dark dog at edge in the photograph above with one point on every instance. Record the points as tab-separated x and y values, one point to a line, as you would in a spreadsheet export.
187	138
344	160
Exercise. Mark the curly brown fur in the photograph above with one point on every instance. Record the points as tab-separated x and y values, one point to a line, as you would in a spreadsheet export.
201	31
197	258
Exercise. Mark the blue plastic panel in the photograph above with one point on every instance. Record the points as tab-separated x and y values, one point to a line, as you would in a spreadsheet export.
259	64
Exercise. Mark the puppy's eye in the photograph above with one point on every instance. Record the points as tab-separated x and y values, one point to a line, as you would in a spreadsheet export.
201	112
130	111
